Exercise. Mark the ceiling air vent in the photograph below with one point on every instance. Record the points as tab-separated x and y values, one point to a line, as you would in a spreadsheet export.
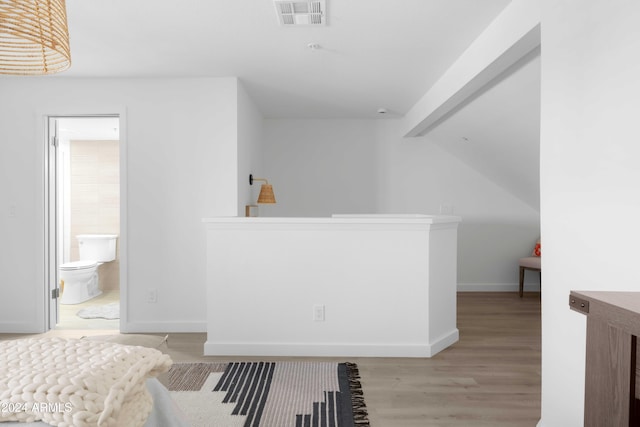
296	13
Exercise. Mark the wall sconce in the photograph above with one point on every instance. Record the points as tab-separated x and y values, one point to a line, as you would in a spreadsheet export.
266	190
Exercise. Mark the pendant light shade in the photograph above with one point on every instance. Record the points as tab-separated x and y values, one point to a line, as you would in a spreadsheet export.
34	37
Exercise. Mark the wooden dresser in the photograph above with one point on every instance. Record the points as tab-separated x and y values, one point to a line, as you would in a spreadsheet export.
613	325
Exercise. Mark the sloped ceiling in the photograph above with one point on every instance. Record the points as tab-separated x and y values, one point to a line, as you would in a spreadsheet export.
497	132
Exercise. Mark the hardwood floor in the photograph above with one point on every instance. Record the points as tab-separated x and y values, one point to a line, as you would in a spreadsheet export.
491	377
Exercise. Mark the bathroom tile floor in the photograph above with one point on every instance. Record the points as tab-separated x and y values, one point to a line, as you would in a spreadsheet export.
69	320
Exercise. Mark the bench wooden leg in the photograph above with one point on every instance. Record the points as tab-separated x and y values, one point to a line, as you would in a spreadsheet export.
521	281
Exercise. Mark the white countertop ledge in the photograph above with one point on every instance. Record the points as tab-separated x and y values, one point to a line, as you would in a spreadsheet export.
341	219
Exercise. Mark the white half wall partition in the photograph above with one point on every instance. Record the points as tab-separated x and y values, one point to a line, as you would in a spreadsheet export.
370	285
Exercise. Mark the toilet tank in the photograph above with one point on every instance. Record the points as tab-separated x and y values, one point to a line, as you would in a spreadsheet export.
97	247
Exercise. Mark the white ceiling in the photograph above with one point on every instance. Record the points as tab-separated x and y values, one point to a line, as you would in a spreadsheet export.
373	53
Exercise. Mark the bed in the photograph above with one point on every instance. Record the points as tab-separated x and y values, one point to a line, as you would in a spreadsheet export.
83	383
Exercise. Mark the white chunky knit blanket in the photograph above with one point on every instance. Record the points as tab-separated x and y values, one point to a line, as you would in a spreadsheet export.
77	383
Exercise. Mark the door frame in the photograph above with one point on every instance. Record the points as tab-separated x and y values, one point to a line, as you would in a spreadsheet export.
50	231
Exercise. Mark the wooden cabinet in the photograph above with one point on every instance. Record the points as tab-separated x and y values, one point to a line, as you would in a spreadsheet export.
611	376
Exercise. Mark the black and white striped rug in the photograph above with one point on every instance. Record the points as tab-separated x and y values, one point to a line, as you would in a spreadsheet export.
269	394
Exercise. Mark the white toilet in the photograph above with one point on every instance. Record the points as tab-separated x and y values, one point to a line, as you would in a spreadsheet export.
80	278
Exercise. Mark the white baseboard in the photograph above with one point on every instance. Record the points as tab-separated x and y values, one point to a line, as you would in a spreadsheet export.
20	328
497	287
329	350
443	342
155	327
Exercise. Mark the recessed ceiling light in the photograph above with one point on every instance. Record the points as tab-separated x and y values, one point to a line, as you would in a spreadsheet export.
314	46
382	111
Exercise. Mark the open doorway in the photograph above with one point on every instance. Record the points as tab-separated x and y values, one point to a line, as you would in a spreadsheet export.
85	169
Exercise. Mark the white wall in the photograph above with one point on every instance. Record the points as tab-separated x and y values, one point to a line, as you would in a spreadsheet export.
590	180
497	228
21	250
250	157
320	167
180	137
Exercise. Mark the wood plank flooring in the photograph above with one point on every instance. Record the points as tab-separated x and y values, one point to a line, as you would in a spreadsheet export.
491	377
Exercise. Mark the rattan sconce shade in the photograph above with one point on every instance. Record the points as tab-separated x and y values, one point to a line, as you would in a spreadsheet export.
266	190
34	37
266	194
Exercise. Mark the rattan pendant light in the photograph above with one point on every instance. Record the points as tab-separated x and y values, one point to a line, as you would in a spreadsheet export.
34	37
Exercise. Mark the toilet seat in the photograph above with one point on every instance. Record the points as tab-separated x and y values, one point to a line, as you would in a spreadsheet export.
78	265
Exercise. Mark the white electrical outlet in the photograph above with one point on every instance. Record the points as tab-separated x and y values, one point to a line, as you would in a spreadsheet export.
318	313
152	296
446	208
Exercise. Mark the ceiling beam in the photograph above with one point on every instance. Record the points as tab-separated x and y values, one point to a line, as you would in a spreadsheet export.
511	36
